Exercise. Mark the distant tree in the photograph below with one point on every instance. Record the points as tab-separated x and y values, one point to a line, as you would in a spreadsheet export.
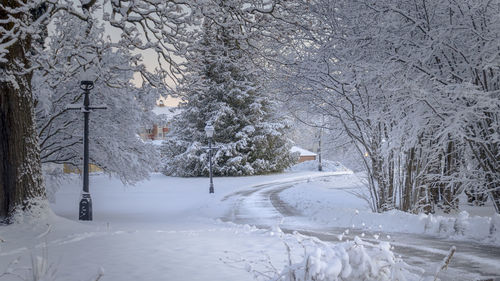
414	85
222	87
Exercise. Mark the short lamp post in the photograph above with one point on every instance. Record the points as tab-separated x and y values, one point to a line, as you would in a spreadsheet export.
209	129
320	135
320	165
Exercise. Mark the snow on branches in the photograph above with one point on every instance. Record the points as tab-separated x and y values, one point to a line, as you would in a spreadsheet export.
222	87
414	86
116	146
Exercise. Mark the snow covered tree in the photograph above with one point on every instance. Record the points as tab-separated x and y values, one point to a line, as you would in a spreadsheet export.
115	147
414	85
442	58
21	184
222	88
160	26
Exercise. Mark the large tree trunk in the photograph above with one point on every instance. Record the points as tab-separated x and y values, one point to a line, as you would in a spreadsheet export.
20	169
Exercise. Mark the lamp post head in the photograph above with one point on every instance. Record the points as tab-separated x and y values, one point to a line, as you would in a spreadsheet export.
209	130
86	85
87	78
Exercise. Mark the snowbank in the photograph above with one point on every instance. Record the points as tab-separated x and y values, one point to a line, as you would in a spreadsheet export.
476	228
347	261
302	152
309	259
340	202
312	165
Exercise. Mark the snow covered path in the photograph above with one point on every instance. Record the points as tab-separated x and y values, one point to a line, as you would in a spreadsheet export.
167	228
263	207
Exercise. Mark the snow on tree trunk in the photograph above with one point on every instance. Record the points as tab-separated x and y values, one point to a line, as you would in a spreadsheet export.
21	183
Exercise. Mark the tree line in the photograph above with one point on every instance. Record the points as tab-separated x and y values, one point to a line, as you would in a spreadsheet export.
413	86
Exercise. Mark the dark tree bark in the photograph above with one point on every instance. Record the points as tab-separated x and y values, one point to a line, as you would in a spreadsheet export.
408	181
20	169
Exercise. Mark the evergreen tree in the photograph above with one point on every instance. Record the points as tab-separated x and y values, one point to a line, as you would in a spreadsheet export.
222	88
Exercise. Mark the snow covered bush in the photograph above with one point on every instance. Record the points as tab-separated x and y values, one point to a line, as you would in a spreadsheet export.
312	259
222	87
352	260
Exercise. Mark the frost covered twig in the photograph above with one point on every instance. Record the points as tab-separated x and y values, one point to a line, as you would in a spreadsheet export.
100	274
446	261
9	270
41	269
261	268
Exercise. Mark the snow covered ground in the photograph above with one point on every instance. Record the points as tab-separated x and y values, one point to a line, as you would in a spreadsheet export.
338	202
167	228
161	229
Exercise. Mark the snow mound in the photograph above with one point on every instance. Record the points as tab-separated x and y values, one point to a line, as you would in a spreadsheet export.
302	152
335	203
311	259
312	165
475	228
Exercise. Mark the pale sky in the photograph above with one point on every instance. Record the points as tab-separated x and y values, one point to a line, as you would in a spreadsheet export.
149	59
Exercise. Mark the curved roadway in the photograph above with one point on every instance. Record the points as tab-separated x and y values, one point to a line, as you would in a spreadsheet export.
261	206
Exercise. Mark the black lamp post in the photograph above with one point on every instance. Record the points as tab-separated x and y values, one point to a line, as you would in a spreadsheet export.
320	166
85	210
209	129
320	133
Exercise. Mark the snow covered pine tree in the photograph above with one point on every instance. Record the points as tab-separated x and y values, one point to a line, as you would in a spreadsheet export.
221	87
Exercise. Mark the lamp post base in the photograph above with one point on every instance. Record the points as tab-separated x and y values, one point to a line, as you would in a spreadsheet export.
211	190
85	212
